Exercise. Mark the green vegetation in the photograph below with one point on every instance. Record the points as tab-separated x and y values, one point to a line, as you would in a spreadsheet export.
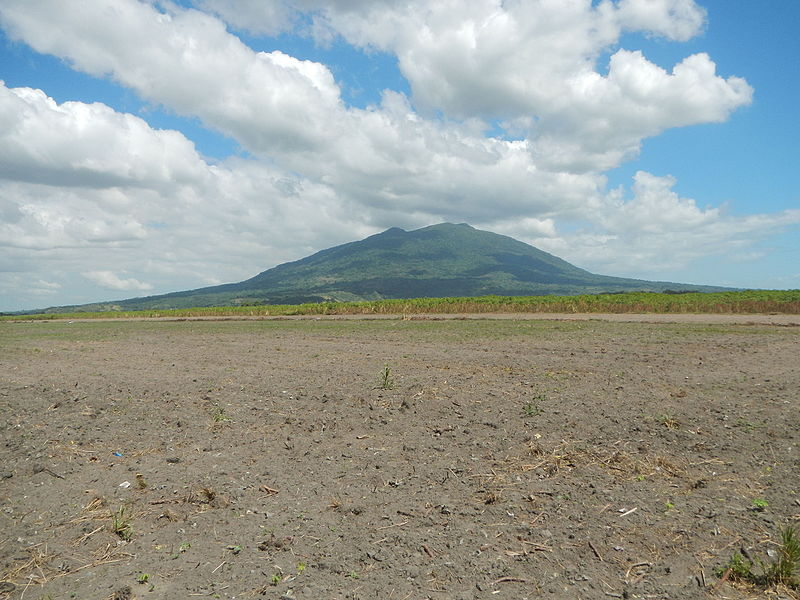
218	415
531	408
744	302
121	524
385	381
669	422
785	570
737	568
184	547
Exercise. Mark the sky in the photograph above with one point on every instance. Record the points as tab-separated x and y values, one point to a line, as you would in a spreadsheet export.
149	147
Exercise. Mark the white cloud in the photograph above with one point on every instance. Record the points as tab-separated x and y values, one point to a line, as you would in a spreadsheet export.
189	63
657	230
678	20
386	158
507	59
43	288
268	17
91	145
526	228
655	208
469	59
86	189
109	280
47	285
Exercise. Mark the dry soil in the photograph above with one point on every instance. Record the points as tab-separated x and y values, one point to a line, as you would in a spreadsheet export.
394	459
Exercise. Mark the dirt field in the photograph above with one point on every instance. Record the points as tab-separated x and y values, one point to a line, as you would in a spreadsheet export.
394	459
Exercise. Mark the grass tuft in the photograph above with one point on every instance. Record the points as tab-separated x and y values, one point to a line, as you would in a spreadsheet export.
783	571
786	570
121	524
385	380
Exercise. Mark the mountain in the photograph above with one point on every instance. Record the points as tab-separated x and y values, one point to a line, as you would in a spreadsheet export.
436	261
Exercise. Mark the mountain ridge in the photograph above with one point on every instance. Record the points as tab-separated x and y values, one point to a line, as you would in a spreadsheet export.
442	260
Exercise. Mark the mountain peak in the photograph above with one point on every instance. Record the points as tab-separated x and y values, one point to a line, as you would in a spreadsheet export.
437	227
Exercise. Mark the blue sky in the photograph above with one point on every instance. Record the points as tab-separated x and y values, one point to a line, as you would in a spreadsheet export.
762	46
148	147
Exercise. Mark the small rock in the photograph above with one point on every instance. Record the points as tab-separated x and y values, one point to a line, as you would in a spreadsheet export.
173	460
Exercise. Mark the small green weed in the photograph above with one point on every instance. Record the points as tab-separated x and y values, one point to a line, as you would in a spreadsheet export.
783	571
746	425
760	505
385	381
218	415
181	549
740	569
276	579
531	407
669	422
143	578
786	569
121	524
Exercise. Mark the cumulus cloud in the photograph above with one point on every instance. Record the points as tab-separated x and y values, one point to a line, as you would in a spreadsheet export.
189	63
109	280
91	145
657	229
508	59
83	175
468	59
678	20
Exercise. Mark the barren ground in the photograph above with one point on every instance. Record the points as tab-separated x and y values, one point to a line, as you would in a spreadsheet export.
394	459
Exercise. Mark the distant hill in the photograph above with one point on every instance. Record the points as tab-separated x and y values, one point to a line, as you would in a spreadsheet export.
437	261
